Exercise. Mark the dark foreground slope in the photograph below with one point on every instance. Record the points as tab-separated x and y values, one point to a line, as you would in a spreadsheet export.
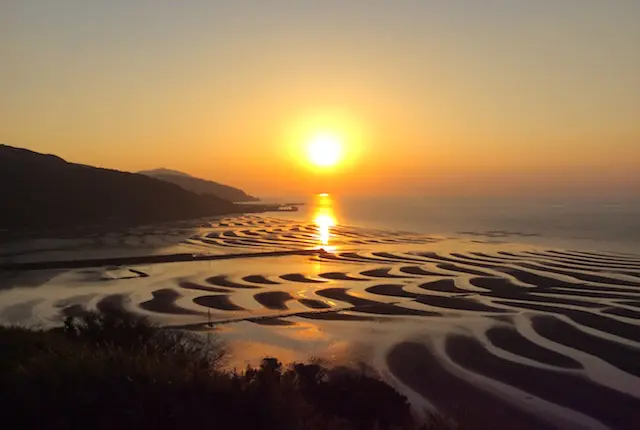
45	191
200	186
114	370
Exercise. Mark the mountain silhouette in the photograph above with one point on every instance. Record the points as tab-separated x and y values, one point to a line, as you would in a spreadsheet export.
45	191
200	186
163	171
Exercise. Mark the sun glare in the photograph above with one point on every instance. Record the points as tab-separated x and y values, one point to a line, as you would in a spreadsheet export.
324	218
325	150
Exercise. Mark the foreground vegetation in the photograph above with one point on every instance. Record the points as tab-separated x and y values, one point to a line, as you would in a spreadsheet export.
106	371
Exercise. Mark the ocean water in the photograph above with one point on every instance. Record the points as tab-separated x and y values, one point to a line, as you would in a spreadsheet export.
510	306
579	224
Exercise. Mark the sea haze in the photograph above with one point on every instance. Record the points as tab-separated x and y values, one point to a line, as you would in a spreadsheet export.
612	225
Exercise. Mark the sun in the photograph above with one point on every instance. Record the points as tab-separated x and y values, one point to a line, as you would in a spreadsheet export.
325	150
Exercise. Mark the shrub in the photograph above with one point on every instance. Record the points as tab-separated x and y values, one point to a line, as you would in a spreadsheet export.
116	370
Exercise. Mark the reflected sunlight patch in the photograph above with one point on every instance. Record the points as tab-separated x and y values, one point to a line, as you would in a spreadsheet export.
324	218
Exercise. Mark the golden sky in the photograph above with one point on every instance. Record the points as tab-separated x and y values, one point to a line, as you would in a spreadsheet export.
444	97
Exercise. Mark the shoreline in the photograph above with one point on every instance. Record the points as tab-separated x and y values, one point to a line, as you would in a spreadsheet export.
149	259
18	233
510	336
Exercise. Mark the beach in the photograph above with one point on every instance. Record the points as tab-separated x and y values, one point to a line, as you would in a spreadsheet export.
484	330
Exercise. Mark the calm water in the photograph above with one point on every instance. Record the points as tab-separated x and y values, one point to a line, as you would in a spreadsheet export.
613	226
382	301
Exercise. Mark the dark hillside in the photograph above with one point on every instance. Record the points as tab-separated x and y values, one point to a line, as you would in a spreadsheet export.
45	191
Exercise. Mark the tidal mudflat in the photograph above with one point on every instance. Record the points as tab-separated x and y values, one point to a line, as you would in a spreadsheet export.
545	338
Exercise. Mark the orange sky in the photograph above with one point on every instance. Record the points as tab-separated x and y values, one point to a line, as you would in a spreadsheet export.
491	97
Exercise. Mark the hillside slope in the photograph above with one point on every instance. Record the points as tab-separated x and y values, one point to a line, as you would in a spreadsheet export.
200	186
38	190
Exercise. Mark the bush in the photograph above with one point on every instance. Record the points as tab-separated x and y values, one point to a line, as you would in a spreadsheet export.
115	370
116	329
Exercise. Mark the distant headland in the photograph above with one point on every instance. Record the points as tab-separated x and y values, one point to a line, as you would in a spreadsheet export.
200	186
43	191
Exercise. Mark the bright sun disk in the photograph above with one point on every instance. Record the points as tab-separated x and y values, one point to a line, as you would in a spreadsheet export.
325	150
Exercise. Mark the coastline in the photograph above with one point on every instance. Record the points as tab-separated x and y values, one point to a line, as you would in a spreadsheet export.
509	319
10	233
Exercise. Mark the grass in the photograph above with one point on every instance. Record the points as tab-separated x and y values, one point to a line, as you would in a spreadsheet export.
115	370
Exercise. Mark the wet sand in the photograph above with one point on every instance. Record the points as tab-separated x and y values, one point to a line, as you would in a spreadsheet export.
615	409
526	336
164	302
417	367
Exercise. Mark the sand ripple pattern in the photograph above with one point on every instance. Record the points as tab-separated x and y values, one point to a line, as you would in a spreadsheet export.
528	330
560	327
260	233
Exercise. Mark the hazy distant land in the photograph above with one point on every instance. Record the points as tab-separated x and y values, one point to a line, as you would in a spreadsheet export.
200	186
42	191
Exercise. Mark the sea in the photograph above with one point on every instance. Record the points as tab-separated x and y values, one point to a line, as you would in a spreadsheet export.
595	224
496	313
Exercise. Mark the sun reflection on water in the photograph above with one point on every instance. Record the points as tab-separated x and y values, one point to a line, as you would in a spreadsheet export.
324	218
